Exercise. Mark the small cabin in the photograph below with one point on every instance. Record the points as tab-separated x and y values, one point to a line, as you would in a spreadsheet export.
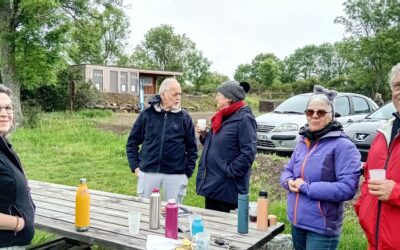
114	79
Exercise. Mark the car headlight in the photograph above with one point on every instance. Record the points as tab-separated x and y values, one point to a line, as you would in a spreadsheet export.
286	127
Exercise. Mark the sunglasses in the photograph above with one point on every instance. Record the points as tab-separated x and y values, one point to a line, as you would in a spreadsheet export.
320	113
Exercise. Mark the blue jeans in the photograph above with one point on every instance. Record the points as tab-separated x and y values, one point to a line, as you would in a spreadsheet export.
307	240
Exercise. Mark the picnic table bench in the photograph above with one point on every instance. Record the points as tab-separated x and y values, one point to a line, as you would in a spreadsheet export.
55	213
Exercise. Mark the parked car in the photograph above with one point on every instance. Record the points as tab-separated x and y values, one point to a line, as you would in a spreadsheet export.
363	132
279	130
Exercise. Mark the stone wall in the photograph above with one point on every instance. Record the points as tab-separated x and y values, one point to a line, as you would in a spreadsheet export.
121	98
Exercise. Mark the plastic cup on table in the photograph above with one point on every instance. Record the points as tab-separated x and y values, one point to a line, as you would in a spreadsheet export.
134	222
202	241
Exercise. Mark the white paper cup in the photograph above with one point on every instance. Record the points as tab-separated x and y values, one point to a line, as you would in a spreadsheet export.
202	240
134	222
202	123
377	174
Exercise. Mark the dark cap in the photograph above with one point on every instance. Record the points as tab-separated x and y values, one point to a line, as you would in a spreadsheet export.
234	90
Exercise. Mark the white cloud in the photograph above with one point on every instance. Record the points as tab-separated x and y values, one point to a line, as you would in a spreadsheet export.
233	32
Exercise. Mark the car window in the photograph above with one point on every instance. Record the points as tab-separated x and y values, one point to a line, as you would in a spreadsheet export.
383	113
360	105
342	106
296	104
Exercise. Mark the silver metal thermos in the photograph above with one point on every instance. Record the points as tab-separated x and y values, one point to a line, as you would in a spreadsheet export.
155	206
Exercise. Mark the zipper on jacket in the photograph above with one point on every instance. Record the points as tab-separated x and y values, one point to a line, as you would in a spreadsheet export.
302	176
203	178
162	143
378	214
322	214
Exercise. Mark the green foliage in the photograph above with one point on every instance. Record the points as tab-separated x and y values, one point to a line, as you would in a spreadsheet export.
210	84
323	62
162	49
57	97
269	71
305	86
373	47
31	111
265	69
41	237
243	73
39	38
99	37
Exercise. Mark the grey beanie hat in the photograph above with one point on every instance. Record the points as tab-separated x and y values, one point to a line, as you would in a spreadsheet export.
232	90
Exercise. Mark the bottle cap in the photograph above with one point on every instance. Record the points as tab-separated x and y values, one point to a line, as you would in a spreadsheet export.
263	193
156	190
82	181
197	219
171	201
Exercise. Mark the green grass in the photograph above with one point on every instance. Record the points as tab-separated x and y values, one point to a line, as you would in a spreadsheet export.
65	147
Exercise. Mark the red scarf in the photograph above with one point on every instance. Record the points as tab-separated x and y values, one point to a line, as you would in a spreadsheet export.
217	119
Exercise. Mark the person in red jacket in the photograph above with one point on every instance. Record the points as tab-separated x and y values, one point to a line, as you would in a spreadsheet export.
378	207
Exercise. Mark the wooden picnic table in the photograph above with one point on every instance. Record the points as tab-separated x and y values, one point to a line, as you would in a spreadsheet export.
55	213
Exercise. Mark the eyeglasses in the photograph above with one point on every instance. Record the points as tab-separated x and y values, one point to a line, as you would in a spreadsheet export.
8	109
320	113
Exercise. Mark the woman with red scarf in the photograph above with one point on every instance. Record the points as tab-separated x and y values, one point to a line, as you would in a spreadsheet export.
229	149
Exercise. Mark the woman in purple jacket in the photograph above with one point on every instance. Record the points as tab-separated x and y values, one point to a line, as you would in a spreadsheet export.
322	173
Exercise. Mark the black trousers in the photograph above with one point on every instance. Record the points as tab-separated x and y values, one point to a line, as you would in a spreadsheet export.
219	205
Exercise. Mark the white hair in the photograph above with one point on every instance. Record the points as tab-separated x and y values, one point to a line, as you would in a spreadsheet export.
5	90
164	87
393	73
320	99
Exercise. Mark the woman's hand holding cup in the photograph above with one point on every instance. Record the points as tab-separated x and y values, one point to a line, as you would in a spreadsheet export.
201	127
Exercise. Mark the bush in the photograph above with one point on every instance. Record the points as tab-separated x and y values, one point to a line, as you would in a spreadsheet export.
31	114
52	98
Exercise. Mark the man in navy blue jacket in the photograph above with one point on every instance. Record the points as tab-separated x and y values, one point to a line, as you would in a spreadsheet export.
168	152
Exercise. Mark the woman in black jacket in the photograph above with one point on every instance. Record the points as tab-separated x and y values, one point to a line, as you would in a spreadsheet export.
229	149
16	206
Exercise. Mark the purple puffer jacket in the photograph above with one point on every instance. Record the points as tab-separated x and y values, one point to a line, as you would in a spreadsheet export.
331	169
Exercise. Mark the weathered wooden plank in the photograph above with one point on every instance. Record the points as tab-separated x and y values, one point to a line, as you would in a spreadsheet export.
115	219
109	212
214	227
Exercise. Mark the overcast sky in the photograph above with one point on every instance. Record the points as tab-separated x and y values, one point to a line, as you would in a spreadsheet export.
233	32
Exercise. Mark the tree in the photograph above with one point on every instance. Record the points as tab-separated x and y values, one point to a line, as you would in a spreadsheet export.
212	81
196	68
374	29
99	37
162	49
323	62
265	68
34	37
243	72
269	72
302	63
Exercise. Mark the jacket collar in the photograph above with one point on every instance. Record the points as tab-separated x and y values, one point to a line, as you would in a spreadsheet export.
386	129
156	103
236	116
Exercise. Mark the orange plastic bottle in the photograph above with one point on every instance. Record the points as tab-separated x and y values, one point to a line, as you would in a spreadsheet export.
82	207
262	211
